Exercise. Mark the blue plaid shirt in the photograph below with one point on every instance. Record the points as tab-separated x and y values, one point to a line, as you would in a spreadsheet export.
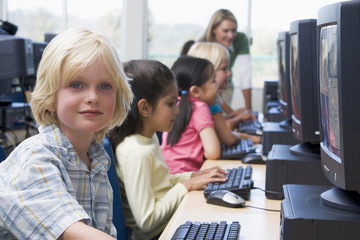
45	187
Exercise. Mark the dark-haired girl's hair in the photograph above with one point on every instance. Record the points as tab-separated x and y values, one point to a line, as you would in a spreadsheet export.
150	80
189	71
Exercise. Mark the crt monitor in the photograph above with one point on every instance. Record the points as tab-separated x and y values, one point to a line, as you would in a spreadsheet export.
283	43
339	60
16	57
304	88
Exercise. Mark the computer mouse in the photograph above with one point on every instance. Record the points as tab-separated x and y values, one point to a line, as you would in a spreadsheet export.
253	158
225	198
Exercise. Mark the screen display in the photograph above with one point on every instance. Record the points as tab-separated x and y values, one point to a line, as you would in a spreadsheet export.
294	76
329	95
282	70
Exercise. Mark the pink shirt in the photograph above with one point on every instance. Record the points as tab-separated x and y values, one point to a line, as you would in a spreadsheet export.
188	153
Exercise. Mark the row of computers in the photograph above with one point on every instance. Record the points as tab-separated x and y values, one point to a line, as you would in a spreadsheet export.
313	161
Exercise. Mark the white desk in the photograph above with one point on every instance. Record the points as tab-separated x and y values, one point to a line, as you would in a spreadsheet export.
256	224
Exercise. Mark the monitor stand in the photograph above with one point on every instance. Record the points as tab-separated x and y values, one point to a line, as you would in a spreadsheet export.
304	216
306	149
274	114
341	199
283	167
277	133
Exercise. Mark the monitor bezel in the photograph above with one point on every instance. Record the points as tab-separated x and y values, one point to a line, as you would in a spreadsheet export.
344	174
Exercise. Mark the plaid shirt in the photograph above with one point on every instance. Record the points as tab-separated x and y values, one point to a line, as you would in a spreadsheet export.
45	187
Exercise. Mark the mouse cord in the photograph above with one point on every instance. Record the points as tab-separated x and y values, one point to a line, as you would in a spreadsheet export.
266	209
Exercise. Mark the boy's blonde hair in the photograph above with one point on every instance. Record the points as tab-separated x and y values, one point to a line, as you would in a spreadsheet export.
219	16
213	52
67	55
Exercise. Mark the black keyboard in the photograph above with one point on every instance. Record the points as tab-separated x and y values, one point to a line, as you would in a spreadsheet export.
239	182
251	127
245	146
214	230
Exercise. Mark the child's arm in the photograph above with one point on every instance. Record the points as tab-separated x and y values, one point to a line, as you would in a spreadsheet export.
224	133
80	230
234	121
199	179
210	142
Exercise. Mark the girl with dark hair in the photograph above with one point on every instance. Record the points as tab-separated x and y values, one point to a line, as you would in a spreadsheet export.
193	136
150	193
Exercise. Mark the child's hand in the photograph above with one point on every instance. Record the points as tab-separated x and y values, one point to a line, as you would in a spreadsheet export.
199	179
205	171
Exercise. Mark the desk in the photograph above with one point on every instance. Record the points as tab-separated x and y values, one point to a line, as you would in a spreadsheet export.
255	223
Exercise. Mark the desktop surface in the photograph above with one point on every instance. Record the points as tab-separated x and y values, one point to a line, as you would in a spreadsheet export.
255	223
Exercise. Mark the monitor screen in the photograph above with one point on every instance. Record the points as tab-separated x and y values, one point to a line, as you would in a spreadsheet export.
294	80
284	76
329	90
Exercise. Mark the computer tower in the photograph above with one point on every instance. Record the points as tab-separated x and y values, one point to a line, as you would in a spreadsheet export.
275	133
283	167
270	98
304	216
274	114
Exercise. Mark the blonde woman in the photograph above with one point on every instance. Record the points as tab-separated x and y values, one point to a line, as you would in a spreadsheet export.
222	29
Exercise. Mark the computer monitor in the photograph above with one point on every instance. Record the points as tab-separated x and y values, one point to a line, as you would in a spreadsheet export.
38	49
16	57
304	88
283	43
339	60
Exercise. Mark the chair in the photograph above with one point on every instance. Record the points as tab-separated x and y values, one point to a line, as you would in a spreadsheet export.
2	154
118	212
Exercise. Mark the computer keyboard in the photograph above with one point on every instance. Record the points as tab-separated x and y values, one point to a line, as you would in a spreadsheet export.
205	230
237	151
239	182
251	127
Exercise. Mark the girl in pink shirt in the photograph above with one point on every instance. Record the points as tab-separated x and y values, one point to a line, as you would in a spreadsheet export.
193	137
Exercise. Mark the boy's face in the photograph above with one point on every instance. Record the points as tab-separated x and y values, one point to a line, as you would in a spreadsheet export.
86	104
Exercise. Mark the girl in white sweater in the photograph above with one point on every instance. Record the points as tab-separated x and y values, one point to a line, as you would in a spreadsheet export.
150	193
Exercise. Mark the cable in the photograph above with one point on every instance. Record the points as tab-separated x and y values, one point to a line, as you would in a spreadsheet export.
265	209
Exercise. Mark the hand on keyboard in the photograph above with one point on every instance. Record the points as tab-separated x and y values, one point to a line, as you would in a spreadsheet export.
239	182
201	178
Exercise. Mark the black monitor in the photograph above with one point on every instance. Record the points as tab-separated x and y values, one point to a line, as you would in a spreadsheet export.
38	49
16	57
339	60
283	44
304	88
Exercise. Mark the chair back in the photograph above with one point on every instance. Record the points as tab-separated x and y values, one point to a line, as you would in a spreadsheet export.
2	154
118	212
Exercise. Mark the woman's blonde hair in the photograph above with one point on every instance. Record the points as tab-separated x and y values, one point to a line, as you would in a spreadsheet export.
67	55
212	51
219	16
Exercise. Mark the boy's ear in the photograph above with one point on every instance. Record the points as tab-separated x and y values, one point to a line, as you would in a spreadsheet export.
144	108
194	91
